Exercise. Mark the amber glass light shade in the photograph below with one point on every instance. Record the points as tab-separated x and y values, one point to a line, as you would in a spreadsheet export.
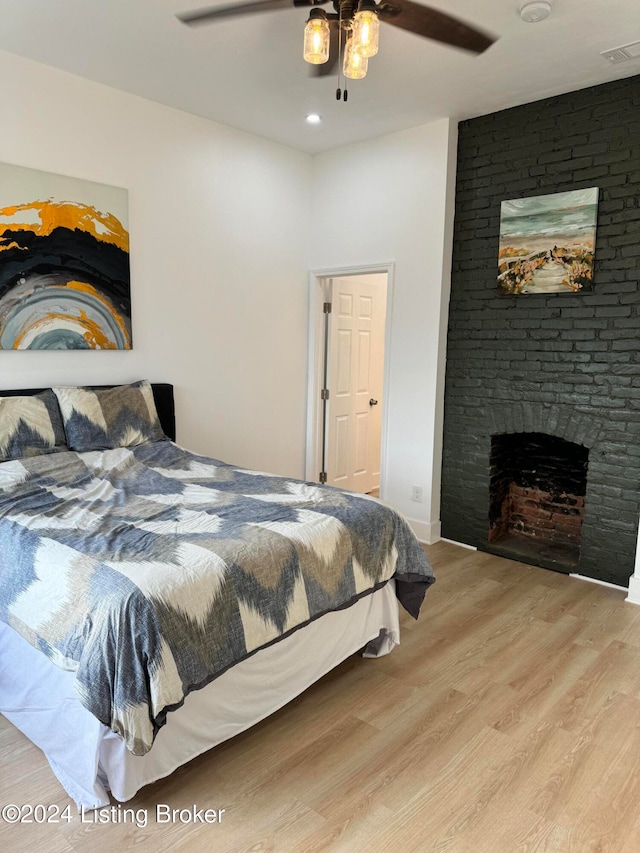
316	38
355	65
366	32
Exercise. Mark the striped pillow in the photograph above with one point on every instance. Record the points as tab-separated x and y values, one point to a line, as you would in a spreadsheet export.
101	419
30	425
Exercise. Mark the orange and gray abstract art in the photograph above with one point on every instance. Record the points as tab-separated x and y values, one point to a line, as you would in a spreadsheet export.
64	263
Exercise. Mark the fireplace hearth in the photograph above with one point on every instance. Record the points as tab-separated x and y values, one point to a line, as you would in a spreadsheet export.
537	491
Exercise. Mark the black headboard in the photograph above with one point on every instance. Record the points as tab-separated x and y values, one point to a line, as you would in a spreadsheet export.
165	404
162	393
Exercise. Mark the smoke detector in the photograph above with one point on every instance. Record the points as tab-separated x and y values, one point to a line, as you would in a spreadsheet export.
535	10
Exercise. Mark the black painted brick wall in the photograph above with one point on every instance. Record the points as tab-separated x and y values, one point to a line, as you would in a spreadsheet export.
565	364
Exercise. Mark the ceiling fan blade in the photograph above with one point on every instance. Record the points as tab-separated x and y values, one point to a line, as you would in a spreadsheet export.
428	22
211	13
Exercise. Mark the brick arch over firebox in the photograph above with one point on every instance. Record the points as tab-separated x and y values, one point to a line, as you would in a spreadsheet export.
559	421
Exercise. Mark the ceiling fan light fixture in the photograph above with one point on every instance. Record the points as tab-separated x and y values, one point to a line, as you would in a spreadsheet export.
355	64
366	29
316	38
326	33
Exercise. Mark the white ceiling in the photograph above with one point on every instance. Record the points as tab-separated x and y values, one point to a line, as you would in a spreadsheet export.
248	72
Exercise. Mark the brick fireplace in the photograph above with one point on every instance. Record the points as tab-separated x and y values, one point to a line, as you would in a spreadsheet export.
537	493
562	365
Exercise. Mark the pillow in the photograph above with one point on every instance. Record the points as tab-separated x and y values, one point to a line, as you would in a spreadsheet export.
101	419
30	425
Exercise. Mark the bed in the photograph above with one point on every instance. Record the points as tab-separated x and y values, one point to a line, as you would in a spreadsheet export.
155	602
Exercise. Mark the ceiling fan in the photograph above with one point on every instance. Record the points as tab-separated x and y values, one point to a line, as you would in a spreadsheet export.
350	32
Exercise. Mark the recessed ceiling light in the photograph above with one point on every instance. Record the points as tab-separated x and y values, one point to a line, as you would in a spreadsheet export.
314	118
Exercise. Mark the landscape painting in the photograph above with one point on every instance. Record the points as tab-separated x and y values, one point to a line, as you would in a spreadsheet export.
547	243
64	263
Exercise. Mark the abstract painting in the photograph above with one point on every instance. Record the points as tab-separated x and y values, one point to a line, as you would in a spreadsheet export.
547	243
64	263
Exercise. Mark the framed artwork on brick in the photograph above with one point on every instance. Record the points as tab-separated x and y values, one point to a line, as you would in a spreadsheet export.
64	263
547	243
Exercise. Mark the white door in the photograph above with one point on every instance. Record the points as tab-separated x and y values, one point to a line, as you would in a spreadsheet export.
356	366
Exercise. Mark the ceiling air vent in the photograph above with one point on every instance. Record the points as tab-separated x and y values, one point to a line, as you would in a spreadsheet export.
622	53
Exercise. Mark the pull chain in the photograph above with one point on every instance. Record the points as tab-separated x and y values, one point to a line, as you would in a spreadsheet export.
339	93
339	90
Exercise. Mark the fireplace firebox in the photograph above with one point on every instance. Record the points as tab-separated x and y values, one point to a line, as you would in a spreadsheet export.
537	489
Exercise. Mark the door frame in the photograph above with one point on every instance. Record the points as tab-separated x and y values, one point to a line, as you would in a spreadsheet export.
317	279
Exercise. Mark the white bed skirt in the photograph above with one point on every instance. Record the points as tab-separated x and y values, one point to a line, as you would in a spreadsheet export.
89	759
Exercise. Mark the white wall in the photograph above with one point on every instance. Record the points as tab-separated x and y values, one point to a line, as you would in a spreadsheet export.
218	259
220	256
391	199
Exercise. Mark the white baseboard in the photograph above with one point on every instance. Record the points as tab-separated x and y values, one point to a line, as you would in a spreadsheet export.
459	544
634	590
600	583
426	532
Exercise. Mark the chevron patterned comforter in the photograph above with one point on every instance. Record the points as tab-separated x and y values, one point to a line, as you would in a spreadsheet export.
150	570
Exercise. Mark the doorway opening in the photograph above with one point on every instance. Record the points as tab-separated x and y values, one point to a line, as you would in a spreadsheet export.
346	436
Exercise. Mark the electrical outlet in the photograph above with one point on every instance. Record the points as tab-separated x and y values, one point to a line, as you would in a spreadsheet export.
416	494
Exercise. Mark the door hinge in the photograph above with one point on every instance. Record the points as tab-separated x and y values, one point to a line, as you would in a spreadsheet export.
326	308
324	394
323	477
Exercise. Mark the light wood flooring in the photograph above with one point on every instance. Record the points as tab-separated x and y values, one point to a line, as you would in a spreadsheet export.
508	721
